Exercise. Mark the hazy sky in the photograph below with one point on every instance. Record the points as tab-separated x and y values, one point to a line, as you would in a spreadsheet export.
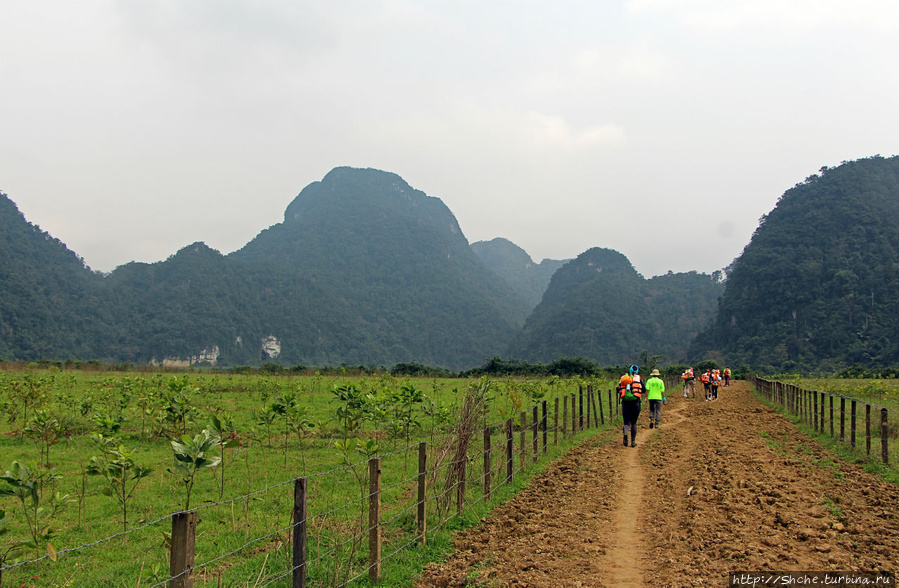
660	128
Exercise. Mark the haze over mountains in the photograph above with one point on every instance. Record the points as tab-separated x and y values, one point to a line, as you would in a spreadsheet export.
367	270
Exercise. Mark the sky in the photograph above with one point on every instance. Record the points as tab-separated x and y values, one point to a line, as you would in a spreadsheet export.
663	129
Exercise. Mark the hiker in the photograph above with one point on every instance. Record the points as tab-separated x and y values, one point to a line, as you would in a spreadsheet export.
688	379
630	391
726	377
655	392
714	382
706	379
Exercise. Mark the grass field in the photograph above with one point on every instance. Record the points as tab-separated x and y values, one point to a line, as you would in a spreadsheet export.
273	429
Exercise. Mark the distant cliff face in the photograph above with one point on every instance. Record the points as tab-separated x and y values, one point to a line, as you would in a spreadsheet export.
816	287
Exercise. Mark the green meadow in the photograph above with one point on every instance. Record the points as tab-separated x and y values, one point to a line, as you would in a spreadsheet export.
96	463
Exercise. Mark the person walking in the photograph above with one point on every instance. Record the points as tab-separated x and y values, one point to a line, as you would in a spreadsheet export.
630	392
655	393
689	379
714	382
726	377
706	379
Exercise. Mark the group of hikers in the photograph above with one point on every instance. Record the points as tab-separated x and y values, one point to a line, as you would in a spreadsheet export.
711	379
632	389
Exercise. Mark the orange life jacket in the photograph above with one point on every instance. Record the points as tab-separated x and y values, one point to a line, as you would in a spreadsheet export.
636	386
705	378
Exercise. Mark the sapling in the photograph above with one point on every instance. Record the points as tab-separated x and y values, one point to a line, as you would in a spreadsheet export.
282	406
27	485
301	425
45	429
224	427
191	456
10	552
179	408
116	465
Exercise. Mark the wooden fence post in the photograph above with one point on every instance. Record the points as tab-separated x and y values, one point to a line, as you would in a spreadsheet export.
867	429
543	423
884	436
510	451
815	404
842	418
602	417
422	492
487	465
593	402
611	407
523	457
299	533
852	426
181	564
587	406
460	486
573	415
831	415
580	408
535	426
556	422
374	519
565	416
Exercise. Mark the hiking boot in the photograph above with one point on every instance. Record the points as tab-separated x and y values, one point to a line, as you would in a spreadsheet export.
633	442
625	439
651	425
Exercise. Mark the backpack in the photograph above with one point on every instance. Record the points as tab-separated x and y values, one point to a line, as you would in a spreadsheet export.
633	391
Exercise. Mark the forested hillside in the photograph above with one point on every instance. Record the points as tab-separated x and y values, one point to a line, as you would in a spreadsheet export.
816	288
366	269
515	266
363	270
49	304
598	307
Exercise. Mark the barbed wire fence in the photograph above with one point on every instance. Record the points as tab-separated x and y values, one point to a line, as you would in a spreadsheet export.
343	543
828	413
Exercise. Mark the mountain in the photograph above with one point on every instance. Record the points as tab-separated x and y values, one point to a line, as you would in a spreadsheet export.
515	266
598	307
43	285
815	289
382	273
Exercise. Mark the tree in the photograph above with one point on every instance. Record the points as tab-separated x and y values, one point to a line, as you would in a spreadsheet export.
116	465
192	456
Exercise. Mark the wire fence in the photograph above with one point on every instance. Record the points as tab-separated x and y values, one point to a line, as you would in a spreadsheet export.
342	543
835	415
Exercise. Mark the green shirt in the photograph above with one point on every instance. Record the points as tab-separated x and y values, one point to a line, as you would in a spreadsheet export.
655	388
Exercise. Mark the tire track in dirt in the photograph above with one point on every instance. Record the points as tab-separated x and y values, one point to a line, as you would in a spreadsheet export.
762	497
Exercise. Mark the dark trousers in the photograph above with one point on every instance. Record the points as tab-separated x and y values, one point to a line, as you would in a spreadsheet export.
630	411
655	411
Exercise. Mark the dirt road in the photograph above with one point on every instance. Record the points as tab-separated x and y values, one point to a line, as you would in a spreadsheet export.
721	486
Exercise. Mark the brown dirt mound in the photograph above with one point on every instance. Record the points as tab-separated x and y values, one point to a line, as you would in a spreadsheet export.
721	486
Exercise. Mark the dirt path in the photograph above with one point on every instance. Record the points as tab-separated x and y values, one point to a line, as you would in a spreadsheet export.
623	562
721	486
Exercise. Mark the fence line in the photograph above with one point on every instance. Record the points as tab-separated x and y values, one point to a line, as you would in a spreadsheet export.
816	410
589	401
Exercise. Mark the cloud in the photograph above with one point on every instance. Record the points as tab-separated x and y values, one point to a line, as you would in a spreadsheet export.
546	131
793	16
